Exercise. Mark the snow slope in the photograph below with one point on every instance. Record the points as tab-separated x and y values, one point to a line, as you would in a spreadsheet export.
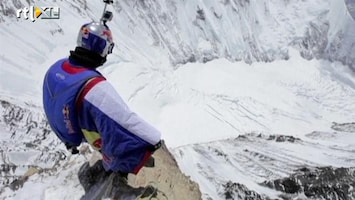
351	7
203	72
290	97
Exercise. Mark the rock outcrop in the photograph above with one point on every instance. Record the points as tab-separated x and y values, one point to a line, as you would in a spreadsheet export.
164	181
167	177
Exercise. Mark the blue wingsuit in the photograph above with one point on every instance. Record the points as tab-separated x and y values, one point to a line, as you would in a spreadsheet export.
81	106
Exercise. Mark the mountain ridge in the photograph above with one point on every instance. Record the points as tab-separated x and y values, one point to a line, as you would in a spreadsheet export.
262	82
201	35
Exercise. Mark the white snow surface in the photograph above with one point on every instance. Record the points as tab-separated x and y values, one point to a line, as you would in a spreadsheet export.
197	106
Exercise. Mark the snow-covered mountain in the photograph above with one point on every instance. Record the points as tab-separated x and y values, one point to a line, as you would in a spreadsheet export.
351	7
251	96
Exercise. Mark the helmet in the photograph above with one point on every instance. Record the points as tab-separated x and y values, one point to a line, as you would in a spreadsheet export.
96	37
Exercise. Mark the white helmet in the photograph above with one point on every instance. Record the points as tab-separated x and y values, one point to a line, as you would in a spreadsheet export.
96	37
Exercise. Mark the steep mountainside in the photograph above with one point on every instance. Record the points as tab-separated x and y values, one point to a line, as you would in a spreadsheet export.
32	156
255	98
189	31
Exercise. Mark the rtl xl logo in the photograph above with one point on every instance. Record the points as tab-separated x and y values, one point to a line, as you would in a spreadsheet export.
34	12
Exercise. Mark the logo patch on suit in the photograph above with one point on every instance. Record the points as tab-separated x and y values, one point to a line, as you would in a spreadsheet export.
66	115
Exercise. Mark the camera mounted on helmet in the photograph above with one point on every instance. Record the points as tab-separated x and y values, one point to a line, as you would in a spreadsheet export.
108	1
96	36
107	15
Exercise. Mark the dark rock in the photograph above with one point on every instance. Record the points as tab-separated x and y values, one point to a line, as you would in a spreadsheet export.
238	191
319	183
88	176
344	127
283	138
99	184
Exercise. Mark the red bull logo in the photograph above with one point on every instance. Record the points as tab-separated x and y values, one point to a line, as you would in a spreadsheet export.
66	111
108	33
68	123
85	32
97	143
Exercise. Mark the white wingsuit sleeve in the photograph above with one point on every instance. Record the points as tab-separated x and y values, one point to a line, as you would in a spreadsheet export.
107	100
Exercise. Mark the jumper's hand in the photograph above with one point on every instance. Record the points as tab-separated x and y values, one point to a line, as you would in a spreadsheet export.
156	146
72	149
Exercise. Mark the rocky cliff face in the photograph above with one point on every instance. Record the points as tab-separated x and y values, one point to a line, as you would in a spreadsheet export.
31	153
292	173
167	177
199	31
164	181
318	183
252	31
180	31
